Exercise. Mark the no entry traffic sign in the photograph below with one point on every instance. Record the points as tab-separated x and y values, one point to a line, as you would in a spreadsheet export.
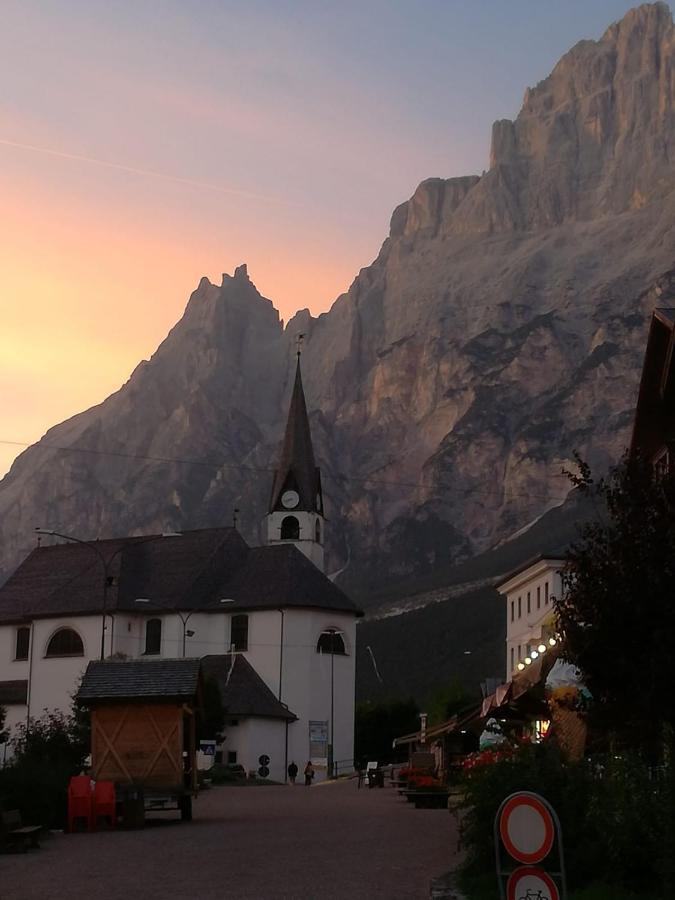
526	828
531	883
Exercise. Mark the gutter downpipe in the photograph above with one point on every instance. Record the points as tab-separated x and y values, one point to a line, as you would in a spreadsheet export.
281	672
30	672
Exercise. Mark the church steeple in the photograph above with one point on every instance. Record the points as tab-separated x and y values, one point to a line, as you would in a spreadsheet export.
296	502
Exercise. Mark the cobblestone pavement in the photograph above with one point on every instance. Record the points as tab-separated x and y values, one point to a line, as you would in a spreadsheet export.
327	841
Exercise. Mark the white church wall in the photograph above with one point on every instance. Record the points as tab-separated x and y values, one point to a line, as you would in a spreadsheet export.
251	738
343	680
11	669
305	674
55	679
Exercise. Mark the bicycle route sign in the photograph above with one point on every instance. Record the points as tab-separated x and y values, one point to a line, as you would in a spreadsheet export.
531	883
527	832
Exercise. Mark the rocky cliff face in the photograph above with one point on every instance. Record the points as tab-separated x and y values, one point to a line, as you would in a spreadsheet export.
500	328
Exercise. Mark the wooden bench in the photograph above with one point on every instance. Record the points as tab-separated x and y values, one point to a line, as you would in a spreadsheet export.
16	836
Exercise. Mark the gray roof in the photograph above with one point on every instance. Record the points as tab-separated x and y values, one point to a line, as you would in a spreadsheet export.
242	690
13	693
297	470
282	576
163	679
193	571
557	554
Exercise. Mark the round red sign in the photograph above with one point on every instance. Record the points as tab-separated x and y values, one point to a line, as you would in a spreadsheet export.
530	883
526	828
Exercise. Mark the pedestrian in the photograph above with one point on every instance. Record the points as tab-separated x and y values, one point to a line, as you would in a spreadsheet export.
292	772
309	773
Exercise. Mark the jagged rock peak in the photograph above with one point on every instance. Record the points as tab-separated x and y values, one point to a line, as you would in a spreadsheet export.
595	137
240	275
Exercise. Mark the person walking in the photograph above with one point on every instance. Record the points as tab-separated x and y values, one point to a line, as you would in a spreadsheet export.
309	773
292	772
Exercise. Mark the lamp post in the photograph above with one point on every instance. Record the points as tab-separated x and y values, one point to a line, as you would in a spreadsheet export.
184	617
333	633
105	563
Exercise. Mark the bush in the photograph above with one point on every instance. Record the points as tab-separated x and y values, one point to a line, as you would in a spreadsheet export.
226	774
48	752
613	814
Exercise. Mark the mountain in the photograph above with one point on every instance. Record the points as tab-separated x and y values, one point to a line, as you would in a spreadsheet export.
500	328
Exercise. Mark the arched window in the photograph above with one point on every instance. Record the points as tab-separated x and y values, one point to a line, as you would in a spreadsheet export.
317	531
290	529
330	641
153	637
65	642
239	632
22	642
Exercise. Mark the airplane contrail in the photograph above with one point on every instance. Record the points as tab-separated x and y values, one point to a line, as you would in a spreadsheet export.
205	185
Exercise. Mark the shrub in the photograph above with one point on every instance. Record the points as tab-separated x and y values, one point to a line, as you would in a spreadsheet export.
613	815
47	753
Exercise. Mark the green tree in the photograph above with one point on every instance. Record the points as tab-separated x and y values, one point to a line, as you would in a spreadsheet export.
47	752
211	718
376	726
446	701
617	613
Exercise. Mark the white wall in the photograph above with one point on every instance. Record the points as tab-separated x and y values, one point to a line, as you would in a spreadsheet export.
530	628
254	737
300	676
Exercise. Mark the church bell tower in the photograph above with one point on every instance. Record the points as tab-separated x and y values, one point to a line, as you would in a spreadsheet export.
296	504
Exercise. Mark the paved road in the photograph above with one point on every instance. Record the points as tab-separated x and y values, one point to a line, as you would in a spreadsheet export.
297	843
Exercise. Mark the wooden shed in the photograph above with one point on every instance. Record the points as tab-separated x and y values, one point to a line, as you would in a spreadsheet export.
143	726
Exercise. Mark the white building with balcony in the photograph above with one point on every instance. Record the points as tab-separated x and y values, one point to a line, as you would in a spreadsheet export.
530	617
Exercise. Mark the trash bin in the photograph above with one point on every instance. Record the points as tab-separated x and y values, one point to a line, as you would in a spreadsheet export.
133	806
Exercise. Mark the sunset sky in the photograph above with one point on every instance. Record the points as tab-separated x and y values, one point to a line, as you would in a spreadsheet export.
145	144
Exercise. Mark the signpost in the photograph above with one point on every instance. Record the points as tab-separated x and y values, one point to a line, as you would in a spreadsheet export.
527	830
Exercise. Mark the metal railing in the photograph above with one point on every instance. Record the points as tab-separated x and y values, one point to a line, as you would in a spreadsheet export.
341	767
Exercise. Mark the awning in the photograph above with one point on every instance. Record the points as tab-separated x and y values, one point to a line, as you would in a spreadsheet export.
534	674
500	697
456	723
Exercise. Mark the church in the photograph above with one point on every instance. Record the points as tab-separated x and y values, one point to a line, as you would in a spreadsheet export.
270	627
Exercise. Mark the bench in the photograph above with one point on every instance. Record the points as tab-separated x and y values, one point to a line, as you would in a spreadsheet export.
16	836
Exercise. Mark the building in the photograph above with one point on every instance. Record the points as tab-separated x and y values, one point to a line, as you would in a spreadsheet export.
654	426
528	592
276	632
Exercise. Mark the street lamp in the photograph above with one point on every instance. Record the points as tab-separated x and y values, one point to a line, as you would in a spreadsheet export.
105	563
185	618
333	633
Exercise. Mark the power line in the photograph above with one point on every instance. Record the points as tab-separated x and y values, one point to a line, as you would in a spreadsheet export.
339	477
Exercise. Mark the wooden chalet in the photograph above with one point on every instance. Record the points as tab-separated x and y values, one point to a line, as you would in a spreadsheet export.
143	725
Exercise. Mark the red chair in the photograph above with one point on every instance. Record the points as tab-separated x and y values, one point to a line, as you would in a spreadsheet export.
105	803
80	802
